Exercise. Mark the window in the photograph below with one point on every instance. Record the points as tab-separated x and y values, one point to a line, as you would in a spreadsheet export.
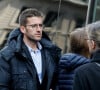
50	18
23	8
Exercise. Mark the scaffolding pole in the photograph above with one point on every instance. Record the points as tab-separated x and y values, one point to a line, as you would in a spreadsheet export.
91	11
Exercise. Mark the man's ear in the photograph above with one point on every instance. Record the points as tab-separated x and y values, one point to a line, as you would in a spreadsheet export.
93	44
22	29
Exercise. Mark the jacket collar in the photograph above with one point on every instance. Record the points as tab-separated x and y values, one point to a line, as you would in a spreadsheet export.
45	41
10	49
96	56
14	44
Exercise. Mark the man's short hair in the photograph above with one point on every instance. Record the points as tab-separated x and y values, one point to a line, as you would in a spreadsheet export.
30	12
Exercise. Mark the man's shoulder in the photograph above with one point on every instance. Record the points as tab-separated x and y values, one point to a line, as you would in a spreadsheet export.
84	68
6	53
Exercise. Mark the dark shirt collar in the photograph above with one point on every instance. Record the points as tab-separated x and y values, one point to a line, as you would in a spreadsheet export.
95	56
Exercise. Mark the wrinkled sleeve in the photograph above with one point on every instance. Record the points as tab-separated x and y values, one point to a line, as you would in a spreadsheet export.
77	84
80	81
4	74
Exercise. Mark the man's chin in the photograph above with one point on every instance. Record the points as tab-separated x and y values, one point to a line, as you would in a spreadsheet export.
38	39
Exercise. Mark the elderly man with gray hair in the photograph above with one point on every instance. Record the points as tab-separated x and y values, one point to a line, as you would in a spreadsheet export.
87	77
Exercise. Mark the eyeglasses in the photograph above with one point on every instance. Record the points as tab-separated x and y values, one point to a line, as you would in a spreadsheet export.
35	26
89	39
85	37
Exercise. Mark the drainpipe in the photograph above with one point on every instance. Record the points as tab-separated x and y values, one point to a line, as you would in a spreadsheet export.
91	11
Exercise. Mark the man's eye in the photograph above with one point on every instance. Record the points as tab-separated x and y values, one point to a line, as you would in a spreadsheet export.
40	25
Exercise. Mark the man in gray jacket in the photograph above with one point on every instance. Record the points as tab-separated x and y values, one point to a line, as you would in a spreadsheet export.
87	77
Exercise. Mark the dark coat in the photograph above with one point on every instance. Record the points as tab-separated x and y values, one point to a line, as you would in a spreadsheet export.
87	77
68	63
17	70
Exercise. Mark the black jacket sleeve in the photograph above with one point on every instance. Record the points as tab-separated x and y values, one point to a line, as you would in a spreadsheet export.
80	81
77	84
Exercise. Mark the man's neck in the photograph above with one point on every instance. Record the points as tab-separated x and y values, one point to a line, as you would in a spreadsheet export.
33	45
